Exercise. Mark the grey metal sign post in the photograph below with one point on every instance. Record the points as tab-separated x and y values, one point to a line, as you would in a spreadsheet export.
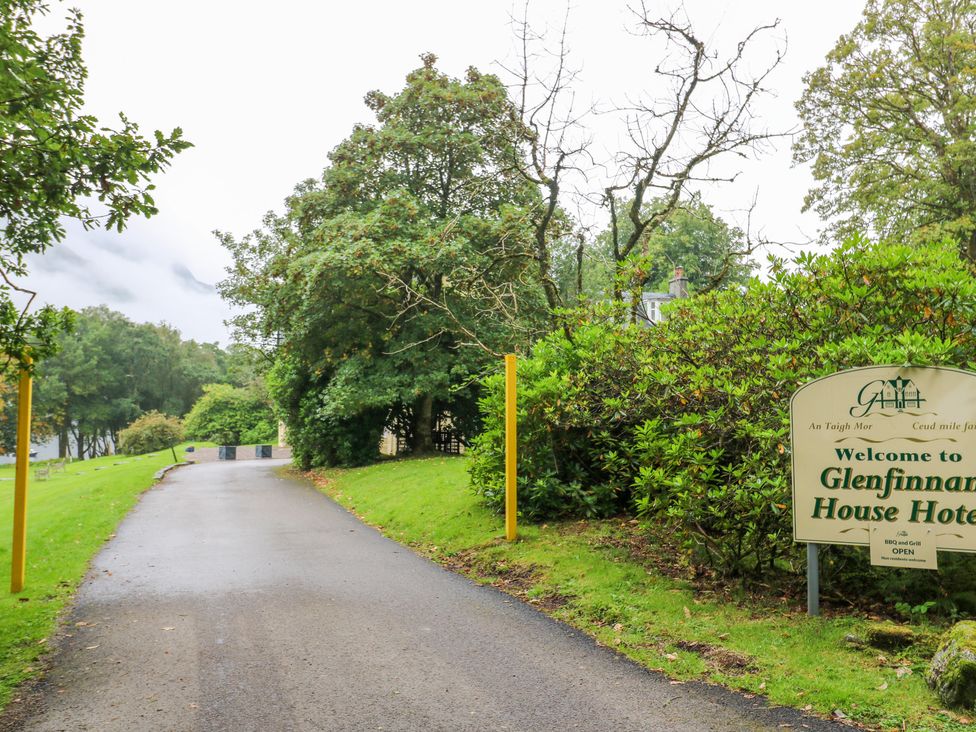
813	579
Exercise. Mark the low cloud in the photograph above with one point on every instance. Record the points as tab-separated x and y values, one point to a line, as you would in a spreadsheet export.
89	273
189	281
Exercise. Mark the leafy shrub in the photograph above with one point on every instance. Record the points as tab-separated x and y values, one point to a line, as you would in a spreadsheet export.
557	476
691	417
317	435
231	415
150	432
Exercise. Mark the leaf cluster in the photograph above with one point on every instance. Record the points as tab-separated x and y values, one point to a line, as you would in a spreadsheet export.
231	415
393	280
110	370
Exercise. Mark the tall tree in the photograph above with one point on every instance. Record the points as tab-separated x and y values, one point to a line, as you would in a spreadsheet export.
556	144
704	116
374	278
890	123
57	163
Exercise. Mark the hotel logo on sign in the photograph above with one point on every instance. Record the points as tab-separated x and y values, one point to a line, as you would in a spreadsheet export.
898	394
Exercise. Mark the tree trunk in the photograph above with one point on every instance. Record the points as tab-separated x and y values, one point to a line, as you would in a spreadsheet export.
63	441
969	249
423	423
579	270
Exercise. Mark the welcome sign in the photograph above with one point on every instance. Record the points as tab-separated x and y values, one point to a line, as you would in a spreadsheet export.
886	456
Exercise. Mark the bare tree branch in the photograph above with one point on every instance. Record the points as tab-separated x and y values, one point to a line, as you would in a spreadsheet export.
705	115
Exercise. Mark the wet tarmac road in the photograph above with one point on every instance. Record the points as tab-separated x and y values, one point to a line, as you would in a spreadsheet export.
233	599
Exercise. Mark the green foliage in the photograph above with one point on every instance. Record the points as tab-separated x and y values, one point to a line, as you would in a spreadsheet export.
317	435
57	162
231	415
362	283
556	475
692	237
692	416
151	432
889	123
914	613
111	370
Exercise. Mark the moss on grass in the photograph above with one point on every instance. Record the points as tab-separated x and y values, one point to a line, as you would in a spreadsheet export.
953	670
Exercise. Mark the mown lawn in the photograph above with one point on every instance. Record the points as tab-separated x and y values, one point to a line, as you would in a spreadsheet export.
69	517
584	574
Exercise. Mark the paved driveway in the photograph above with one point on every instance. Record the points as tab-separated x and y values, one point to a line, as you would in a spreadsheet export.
233	599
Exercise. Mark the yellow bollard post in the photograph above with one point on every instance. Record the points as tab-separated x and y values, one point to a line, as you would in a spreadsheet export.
19	553
511	502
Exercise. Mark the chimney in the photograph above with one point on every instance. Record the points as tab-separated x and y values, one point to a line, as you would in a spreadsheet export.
678	287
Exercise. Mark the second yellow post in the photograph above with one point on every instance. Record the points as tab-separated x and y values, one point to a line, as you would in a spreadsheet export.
511	500
19	553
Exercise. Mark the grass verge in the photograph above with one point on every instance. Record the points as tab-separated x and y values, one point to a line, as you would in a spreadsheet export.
69	517
585	574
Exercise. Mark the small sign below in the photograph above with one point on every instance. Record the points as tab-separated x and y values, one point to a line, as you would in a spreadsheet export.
900	546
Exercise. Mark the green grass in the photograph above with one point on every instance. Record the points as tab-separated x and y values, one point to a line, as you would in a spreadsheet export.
580	573
69	517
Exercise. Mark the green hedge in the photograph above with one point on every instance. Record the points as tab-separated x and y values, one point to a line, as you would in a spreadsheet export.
687	423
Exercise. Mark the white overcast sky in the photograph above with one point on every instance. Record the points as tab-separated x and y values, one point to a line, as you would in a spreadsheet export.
266	90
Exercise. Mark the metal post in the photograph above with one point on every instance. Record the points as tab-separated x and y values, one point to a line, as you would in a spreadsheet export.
813	579
19	551
511	502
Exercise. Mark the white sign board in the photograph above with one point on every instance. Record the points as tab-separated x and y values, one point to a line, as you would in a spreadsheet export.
890	448
894	546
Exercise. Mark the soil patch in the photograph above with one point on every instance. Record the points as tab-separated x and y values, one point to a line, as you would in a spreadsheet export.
721	659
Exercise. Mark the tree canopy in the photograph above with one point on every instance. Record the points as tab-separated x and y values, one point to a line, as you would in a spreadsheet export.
231	415
111	370
366	279
890	123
